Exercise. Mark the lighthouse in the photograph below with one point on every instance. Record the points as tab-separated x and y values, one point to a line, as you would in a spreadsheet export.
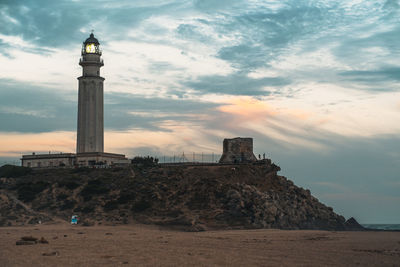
90	132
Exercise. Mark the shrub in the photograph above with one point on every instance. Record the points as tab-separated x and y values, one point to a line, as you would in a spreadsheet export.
71	185
68	204
117	169
77	209
62	196
88	209
94	187
28	191
125	197
111	205
45	205
141	205
82	170
145	161
12	171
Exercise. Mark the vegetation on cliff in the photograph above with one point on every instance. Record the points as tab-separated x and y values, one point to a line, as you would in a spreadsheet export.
184	196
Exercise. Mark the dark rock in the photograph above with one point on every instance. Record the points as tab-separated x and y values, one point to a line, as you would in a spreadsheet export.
54	253
43	241
196	228
23	242
87	223
352	225
29	238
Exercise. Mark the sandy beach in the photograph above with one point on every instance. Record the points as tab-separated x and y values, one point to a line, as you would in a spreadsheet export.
143	245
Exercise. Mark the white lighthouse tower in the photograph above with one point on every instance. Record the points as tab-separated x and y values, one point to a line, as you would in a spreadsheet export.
90	134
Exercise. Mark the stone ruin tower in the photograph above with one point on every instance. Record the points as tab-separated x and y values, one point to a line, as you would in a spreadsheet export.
238	150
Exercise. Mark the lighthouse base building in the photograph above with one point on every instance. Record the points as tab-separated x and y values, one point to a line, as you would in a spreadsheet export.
70	160
90	130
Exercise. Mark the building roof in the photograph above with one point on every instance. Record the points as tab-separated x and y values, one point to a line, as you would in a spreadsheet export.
48	156
100	154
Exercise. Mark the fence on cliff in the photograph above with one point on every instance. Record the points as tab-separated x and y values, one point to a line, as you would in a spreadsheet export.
193	157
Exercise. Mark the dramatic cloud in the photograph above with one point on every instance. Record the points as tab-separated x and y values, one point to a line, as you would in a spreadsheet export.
235	84
387	74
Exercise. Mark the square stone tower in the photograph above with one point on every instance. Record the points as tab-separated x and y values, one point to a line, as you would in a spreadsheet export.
238	150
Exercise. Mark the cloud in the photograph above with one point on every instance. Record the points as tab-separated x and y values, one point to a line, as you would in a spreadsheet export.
264	33
249	108
369	49
28	109
244	56
286	128
391	4
175	139
235	84
212	6
59	24
16	144
386	75
127	111
44	23
247	35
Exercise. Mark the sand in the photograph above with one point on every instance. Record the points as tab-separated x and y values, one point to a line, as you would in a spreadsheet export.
142	245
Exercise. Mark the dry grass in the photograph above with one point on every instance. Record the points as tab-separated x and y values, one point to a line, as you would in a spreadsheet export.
141	245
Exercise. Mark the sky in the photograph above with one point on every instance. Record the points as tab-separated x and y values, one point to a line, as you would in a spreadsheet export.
315	83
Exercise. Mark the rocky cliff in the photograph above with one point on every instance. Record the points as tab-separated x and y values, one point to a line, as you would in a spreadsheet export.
186	197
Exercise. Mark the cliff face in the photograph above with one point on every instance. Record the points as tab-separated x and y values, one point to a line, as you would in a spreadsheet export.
188	197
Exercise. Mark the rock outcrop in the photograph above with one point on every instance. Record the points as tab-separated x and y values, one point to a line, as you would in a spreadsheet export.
188	197
353	225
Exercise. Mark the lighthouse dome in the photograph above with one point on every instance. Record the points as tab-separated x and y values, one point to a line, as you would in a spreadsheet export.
91	40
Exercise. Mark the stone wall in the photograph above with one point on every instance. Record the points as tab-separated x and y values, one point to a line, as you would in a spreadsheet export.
70	160
48	160
237	150
96	158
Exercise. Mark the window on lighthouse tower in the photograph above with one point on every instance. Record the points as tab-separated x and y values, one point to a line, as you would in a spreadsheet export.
90	48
